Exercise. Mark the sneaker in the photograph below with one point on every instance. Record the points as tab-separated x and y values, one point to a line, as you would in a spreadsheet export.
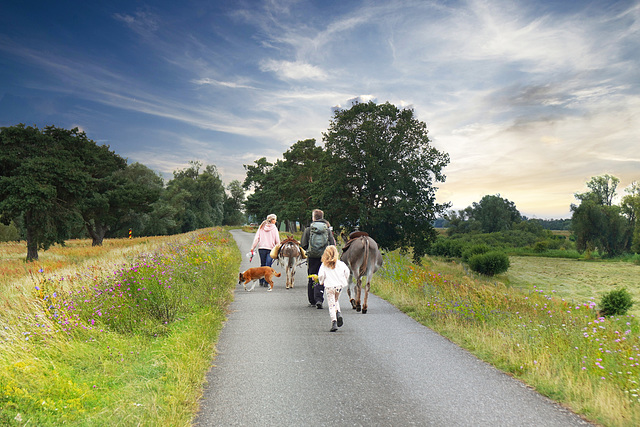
334	326
340	321
319	305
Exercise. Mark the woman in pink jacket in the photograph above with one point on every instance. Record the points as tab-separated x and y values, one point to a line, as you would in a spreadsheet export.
267	237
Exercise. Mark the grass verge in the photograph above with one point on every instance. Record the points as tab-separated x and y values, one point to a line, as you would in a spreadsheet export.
562	349
126	347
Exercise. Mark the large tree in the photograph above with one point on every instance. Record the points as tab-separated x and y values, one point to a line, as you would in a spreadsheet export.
261	181
134	200
44	175
233	202
631	208
379	174
197	196
596	223
495	214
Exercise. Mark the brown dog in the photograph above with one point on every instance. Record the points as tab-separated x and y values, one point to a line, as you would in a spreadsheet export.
255	274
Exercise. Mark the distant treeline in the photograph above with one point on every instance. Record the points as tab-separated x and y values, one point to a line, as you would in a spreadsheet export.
547	224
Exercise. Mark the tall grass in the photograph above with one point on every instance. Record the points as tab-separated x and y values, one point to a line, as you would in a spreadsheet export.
113	342
563	349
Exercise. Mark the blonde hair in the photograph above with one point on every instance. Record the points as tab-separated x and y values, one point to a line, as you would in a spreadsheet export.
330	257
268	220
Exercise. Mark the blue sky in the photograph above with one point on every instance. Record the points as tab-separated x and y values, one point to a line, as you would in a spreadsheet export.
529	98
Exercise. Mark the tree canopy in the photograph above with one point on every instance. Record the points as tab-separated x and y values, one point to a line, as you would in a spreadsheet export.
598	224
45	175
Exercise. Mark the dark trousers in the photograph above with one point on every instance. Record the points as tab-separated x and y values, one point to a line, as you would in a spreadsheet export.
315	293
265	261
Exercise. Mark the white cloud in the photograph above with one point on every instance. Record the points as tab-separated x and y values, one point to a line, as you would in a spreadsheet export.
287	70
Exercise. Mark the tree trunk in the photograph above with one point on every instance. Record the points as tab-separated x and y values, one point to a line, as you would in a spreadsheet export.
32	244
97	233
291	226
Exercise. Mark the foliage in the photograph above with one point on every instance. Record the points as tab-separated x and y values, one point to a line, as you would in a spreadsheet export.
489	263
472	250
197	197
599	225
448	248
631	209
602	190
9	232
46	176
615	302
135	199
233	202
288	186
491	214
379	174
553	224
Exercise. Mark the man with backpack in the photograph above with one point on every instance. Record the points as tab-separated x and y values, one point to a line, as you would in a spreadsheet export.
314	240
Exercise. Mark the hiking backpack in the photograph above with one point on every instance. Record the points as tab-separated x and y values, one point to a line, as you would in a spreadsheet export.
318	239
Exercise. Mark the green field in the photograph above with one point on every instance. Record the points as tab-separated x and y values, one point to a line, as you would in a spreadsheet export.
576	281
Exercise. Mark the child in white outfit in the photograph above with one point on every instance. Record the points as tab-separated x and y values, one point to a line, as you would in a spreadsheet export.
334	275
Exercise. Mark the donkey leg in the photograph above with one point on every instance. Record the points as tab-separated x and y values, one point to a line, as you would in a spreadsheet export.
358	295
365	305
351	300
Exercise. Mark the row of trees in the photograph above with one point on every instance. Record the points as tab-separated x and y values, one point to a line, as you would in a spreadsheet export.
56	184
376	171
597	224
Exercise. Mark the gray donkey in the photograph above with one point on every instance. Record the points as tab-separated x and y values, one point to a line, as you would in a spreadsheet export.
362	256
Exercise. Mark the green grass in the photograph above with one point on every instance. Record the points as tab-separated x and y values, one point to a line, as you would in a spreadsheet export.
552	340
80	350
574	280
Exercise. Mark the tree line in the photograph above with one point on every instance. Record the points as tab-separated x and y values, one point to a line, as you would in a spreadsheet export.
57	184
597	224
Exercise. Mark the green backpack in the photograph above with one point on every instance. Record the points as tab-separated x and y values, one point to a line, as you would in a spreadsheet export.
318	239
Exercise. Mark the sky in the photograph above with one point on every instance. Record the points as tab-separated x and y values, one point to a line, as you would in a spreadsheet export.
529	98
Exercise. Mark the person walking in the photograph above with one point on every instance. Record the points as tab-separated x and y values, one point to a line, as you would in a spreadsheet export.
267	237
333	275
315	240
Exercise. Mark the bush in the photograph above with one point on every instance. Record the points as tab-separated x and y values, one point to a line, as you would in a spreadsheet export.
615	302
448	248
474	250
490	263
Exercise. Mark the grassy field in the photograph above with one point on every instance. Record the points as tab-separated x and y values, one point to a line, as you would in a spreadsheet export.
119	335
576	281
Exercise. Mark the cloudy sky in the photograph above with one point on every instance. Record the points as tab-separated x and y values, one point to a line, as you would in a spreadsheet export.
530	98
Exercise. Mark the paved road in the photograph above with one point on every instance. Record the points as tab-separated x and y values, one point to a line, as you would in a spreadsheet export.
278	365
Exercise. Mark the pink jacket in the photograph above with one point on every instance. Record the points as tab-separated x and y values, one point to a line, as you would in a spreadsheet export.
267	237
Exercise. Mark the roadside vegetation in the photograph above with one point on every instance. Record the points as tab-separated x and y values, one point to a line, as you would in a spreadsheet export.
121	334
550	337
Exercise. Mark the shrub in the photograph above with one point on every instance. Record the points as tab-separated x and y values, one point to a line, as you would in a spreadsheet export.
474	250
541	246
448	248
615	302
490	263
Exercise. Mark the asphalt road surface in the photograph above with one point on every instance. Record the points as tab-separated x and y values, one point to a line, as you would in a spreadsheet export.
278	365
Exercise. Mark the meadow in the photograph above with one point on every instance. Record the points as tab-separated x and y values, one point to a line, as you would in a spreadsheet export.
116	335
